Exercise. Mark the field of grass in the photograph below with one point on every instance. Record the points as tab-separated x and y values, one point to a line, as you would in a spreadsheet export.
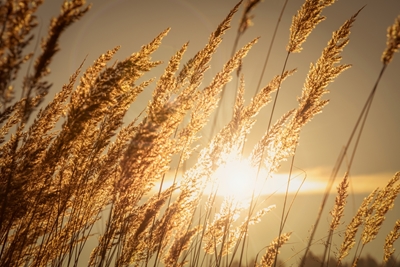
83	184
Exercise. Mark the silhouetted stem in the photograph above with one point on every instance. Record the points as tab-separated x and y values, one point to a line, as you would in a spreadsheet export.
362	117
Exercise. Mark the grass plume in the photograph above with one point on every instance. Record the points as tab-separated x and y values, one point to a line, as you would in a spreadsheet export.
76	163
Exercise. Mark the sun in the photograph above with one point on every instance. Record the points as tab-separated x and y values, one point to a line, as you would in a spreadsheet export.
235	179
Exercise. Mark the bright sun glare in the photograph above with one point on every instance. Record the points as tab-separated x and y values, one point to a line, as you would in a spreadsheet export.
235	179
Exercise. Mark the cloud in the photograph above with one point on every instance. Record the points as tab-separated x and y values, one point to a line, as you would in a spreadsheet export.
310	181
317	179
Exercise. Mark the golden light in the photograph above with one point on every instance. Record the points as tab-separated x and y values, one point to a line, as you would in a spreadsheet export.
235	179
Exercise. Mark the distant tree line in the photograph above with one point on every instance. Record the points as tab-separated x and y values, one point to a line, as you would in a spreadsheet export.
314	261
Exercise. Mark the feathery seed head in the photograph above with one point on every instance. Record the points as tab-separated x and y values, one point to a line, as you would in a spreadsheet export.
393	41
389	241
340	202
306	19
246	22
268	258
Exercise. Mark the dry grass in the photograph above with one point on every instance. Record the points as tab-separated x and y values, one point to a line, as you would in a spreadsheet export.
58	183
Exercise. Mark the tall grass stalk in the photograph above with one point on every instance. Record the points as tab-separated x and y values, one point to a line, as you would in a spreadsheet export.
74	163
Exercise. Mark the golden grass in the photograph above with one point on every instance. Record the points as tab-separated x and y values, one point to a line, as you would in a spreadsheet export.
56	184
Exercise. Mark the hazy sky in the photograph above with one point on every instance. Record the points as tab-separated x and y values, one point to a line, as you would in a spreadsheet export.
132	23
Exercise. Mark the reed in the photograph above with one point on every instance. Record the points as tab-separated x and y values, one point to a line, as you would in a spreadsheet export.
70	163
